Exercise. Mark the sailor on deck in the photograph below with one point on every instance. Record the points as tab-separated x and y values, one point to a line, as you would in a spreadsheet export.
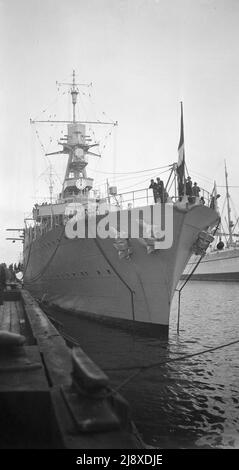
153	186
160	190
195	190
189	189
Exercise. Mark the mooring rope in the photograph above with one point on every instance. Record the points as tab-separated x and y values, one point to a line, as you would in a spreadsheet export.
140	369
189	277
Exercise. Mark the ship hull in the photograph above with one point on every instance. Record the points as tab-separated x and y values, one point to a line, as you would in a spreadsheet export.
87	277
216	266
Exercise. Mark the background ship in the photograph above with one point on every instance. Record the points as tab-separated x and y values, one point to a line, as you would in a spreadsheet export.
221	263
122	282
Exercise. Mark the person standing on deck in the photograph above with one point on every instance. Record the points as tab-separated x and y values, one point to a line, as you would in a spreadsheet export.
195	191
153	186
189	189
160	190
213	201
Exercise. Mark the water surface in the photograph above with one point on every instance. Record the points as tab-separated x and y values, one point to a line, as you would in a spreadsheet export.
193	403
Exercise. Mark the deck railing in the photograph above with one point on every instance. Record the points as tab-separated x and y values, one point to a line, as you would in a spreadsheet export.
128	200
144	197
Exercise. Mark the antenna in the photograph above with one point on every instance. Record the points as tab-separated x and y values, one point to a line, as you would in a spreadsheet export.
74	92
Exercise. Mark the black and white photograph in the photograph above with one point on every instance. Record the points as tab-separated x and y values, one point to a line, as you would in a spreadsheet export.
119	233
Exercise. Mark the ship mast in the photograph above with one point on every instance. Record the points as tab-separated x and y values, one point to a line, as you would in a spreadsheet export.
77	145
74	93
230	223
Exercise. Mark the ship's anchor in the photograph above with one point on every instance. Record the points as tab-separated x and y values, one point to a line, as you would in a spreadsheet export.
150	242
123	248
121	244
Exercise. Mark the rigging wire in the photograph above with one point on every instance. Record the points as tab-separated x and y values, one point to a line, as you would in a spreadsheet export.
142	181
53	102
132	172
130	178
108	134
91	99
114	151
234	208
223	207
201	176
44	172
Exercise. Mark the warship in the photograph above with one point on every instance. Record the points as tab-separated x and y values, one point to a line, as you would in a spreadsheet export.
120	281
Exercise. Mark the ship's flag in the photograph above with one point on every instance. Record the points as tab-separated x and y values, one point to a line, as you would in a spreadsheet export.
181	155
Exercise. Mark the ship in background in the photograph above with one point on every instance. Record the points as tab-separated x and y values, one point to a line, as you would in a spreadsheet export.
123	282
221	262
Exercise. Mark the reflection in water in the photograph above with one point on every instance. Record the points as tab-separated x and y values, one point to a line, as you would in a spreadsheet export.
193	403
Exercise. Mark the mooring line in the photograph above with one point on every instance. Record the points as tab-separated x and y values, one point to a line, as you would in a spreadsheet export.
176	359
139	369
188	278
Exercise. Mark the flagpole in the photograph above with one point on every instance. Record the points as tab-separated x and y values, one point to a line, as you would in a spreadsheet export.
182	124
181	158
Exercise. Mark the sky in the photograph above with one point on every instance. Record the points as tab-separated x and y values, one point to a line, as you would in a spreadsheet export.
143	57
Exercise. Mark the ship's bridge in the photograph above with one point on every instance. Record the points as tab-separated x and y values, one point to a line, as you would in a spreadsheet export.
76	185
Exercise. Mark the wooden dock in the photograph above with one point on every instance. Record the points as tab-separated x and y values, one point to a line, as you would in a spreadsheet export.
51	396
